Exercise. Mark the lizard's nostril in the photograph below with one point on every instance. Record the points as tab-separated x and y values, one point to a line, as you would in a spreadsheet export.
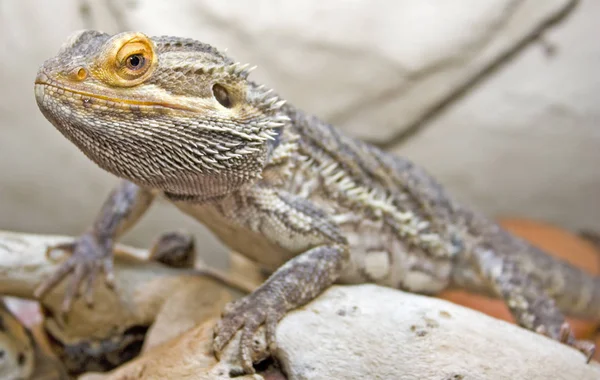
81	74
78	74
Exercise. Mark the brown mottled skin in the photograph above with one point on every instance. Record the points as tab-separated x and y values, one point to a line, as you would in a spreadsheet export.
176	118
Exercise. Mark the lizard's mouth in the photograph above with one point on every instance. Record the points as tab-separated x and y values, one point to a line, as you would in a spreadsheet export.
46	87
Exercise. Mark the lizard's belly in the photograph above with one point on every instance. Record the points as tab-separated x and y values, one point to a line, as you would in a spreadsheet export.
249	235
377	255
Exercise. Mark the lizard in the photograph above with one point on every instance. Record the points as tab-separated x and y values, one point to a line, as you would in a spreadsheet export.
179	119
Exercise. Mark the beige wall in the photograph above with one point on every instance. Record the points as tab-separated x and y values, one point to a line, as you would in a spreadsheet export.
524	140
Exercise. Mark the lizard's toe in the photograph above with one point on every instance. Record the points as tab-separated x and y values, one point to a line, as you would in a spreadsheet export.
90	255
246	344
586	347
225	330
565	335
247	315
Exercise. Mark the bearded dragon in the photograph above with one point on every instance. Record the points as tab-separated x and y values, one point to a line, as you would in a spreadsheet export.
177	118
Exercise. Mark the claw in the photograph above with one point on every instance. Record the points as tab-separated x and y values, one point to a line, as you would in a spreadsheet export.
225	331
89	289
271	326
55	278
565	336
70	294
245	348
248	314
88	256
109	274
542	330
586	347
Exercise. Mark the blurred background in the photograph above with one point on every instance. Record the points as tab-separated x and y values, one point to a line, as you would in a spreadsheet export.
499	99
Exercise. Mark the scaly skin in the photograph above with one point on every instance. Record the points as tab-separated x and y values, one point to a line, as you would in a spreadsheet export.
177	118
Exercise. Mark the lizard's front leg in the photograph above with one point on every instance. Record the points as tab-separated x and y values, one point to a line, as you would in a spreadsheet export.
92	251
295	283
529	302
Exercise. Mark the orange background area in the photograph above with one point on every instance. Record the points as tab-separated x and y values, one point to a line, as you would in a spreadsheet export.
555	241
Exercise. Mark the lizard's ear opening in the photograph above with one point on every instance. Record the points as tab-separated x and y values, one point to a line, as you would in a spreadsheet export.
222	95
126	60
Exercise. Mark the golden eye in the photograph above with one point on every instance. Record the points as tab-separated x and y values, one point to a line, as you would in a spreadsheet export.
222	95
133	59
135	62
126	60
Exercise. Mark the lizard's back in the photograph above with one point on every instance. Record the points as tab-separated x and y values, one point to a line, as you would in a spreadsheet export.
406	231
402	227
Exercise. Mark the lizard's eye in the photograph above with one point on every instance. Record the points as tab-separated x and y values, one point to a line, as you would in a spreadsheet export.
127	60
222	95
133	59
135	62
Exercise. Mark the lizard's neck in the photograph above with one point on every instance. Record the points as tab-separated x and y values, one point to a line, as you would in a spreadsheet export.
281	157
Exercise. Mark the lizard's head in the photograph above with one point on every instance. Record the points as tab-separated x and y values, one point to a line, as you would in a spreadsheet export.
167	113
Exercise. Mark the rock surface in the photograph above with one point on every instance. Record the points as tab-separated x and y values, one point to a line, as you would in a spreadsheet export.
370	332
374	68
147	295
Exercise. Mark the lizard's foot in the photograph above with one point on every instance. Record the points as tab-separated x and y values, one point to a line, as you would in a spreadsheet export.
565	335
89	255
248	314
527	299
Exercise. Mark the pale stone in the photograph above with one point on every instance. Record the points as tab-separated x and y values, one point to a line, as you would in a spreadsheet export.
371	332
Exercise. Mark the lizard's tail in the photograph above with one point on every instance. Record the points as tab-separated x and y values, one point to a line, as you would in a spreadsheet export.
577	292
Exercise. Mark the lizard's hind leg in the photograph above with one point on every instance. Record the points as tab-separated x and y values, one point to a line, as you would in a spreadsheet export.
528	301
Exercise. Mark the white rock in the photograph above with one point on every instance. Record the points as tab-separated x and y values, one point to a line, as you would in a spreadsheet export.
371	332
